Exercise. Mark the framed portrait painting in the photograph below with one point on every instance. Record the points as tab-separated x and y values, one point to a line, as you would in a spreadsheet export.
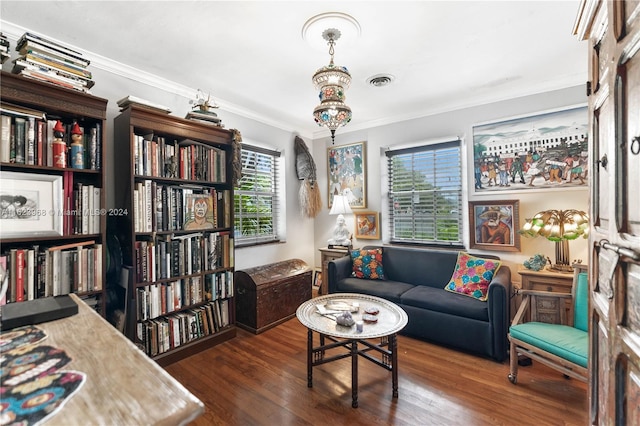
494	225
347	174
30	204
544	151
367	225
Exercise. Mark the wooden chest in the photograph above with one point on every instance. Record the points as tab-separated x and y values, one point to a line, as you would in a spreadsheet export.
268	295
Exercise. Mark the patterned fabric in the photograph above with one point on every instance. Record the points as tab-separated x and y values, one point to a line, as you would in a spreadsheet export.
33	387
472	276
367	264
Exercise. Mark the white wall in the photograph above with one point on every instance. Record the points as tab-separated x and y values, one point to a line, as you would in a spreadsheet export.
456	123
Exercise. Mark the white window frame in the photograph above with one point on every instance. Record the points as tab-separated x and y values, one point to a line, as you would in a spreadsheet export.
446	168
251	235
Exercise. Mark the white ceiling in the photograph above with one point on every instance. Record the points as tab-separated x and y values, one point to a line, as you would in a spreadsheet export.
251	57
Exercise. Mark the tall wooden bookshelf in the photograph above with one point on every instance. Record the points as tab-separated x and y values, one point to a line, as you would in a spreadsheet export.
53	243
173	177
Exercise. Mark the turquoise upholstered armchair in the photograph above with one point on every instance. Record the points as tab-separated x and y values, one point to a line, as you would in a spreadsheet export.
563	347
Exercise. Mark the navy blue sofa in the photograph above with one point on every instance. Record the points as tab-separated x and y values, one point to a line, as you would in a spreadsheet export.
415	279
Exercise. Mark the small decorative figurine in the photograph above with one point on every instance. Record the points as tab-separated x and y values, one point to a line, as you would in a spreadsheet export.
536	263
58	147
77	147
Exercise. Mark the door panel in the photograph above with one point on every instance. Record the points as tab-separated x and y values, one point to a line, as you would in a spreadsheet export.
615	212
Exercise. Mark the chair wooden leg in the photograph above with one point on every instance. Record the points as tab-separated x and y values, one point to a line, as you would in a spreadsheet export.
513	364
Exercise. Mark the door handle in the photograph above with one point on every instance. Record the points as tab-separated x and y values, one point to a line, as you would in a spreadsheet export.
635	145
603	161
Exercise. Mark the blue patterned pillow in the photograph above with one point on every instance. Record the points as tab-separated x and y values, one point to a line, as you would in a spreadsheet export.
367	264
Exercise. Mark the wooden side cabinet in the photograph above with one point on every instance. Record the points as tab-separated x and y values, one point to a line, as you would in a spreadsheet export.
326	256
548	281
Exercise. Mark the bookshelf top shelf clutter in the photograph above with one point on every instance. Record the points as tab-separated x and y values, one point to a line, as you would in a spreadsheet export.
55	100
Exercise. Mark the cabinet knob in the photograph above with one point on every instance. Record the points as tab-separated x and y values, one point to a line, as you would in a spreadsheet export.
549	288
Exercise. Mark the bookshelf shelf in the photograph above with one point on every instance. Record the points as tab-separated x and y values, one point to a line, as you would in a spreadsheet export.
174	181
77	235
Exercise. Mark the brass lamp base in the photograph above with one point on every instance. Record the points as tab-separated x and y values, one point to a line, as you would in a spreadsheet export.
560	268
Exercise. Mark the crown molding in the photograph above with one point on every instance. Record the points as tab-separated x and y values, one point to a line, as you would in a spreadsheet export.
14	32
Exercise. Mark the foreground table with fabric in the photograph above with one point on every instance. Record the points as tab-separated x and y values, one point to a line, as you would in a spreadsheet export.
389	320
123	386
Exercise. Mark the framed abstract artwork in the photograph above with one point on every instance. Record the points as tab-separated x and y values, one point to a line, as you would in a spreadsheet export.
544	151
367	225
347	174
494	225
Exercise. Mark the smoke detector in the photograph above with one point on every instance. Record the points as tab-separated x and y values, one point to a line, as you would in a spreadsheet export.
380	80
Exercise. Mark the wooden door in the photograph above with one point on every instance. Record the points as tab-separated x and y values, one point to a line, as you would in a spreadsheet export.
614	105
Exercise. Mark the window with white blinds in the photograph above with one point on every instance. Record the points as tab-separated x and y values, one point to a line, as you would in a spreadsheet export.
256	197
425	194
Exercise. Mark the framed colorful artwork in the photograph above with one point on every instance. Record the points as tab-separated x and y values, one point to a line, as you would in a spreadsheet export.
199	212
347	172
545	151
367	225
494	225
30	204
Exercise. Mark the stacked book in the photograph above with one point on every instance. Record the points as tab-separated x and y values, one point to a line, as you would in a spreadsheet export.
208	117
49	61
4	48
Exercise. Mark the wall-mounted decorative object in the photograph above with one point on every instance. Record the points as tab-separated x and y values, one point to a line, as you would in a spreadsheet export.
368	225
347	170
543	151
493	225
30	204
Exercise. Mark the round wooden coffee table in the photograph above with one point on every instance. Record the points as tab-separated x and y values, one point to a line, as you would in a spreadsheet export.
319	315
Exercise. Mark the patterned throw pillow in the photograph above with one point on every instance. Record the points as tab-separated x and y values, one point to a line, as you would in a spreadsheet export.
472	276
367	264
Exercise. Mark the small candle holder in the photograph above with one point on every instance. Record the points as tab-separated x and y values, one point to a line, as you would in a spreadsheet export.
359	326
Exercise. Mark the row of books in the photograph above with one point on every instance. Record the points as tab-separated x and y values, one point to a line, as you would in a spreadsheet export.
39	271
27	137
188	159
182	255
171	208
166	333
4	48
46	60
161	299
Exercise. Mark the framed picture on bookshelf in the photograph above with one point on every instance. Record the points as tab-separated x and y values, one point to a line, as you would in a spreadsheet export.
367	225
199	212
30	204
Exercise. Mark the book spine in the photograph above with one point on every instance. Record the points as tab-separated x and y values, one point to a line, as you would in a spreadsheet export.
31	273
20	139
5	138
20	279
30	148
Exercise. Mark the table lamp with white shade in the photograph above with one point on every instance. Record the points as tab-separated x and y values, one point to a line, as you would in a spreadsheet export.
341	235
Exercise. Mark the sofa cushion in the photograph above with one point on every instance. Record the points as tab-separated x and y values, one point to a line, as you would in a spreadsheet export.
418	266
439	300
472	276
367	264
390	290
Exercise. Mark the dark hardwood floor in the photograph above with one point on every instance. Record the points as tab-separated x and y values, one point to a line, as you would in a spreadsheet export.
261	380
